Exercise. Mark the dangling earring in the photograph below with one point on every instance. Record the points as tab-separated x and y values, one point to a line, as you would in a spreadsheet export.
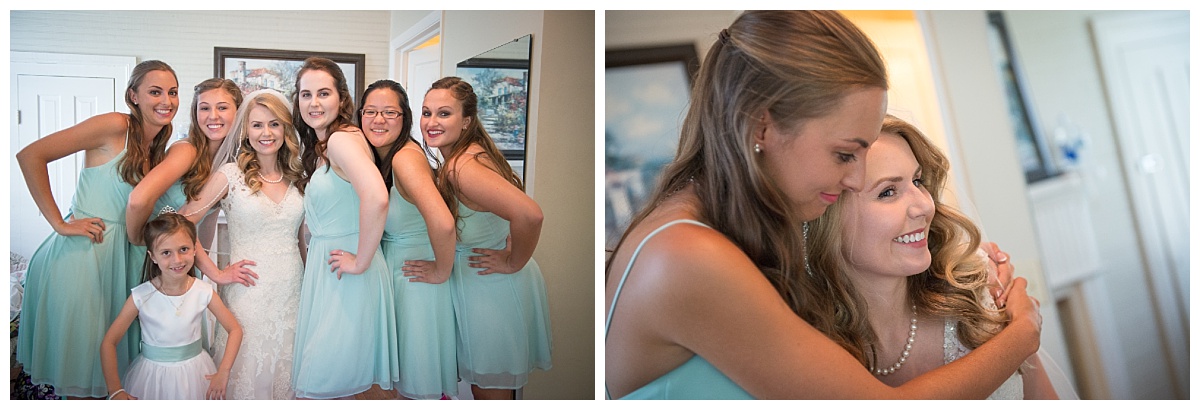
757	148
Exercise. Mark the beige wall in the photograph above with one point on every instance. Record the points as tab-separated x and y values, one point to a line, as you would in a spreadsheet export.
185	39
560	172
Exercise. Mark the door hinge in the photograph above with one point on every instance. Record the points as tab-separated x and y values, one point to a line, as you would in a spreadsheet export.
18	117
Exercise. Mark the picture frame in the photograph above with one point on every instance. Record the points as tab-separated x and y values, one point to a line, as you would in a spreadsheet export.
253	69
1033	150
502	89
646	97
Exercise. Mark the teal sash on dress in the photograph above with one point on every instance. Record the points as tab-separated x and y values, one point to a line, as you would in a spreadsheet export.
171	354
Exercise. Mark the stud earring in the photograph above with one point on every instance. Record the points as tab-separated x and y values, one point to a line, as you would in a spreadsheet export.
757	148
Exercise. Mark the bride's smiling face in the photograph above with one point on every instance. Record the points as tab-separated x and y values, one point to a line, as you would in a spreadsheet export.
886	224
264	130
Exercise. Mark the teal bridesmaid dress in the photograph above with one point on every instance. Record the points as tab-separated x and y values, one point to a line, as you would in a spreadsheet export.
424	311
503	319
74	289
346	329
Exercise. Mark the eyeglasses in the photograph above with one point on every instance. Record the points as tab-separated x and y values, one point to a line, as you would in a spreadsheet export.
389	114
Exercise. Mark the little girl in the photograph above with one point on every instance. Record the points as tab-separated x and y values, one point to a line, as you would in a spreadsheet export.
170	303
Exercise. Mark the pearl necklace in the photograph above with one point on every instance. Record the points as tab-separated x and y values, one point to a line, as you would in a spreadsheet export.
912	334
264	179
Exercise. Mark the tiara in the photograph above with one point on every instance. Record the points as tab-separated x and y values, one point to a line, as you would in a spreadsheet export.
166	210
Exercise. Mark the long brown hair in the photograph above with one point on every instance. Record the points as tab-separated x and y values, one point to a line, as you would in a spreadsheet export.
796	65
133	165
952	287
313	147
491	156
288	156
198	173
158	227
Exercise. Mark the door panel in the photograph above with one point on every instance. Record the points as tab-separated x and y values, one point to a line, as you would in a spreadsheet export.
47	104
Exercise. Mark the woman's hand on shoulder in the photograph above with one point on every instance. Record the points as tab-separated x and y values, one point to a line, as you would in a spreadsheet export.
1024	312
1000	272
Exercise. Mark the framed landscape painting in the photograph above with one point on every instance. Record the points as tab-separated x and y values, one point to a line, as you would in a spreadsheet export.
255	69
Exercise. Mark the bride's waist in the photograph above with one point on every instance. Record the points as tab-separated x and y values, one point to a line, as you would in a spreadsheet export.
253	253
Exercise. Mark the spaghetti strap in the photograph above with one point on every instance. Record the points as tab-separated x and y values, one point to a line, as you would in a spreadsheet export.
629	267
625	275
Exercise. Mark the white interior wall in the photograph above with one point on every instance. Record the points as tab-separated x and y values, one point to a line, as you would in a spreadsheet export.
185	39
1064	81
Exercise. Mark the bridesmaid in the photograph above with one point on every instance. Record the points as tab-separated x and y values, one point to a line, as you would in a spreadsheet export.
346	327
498	292
418	245
215	102
79	277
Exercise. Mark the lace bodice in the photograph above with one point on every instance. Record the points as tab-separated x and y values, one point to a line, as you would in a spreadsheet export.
953	349
253	217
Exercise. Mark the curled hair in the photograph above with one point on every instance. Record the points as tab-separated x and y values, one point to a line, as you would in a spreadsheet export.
384	163
287	159
163	225
794	65
475	134
954	286
313	147
133	165
198	173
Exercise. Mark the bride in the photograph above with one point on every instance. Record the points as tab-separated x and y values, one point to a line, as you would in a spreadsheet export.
256	187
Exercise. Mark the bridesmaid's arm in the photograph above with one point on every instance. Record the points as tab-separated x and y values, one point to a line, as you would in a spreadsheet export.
491	192
412	173
102	134
141	201
350	153
215	189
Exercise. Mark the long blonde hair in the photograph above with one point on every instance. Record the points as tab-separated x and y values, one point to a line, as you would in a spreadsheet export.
796	65
288	156
954	285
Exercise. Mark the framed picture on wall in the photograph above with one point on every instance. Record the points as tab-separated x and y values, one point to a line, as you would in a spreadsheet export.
646	94
1032	148
502	89
254	69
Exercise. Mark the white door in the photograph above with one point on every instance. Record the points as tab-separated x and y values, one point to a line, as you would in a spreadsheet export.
424	66
46	104
1145	61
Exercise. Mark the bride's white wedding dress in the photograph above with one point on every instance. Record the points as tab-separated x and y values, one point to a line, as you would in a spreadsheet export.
265	232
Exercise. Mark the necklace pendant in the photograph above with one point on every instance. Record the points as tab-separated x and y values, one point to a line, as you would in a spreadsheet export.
178	313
